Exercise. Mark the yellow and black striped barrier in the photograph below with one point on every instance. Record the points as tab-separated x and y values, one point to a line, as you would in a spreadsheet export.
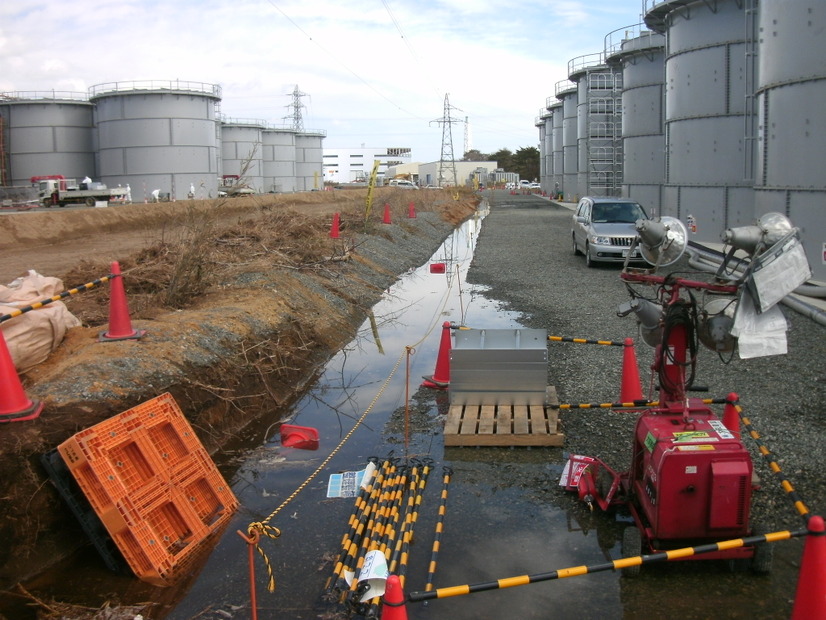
635	404
63	295
437	537
786	485
576	571
610	343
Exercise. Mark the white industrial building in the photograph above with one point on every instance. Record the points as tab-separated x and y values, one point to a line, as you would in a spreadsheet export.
354	165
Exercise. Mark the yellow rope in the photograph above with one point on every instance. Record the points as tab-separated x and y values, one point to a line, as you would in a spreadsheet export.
263	528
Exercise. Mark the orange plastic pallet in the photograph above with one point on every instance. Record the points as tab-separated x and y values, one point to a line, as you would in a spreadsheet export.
153	486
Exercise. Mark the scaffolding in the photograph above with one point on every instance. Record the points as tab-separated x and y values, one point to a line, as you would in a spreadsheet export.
604	96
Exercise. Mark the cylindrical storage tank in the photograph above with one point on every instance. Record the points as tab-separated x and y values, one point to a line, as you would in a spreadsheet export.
599	131
540	122
708	90
46	133
158	135
548	147
242	148
309	159
566	92
640	55
791	136
279	160
557	111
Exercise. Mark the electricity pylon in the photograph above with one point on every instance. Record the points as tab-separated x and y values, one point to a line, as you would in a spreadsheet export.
297	121
447	162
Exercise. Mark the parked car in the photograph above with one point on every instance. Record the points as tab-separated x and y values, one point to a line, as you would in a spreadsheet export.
535	186
603	229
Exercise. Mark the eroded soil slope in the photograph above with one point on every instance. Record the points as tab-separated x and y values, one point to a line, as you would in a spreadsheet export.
239	298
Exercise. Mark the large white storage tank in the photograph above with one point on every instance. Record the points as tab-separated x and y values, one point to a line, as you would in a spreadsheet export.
242	148
640	54
792	139
278	159
566	92
309	159
557	111
599	125
709	172
544	123
46	133
158	135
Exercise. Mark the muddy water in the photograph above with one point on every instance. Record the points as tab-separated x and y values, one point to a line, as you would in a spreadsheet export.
504	514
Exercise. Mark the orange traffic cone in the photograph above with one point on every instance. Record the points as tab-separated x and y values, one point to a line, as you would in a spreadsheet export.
14	405
810	598
731	417
386	219
411	210
441	377
393	607
120	325
334	228
630	390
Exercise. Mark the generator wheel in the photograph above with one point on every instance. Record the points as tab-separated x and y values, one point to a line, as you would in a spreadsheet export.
761	562
90	202
631	547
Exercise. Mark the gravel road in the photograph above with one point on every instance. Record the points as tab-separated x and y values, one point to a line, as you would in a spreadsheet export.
524	254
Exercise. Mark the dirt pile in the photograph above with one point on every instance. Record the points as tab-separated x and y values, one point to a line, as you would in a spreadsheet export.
242	300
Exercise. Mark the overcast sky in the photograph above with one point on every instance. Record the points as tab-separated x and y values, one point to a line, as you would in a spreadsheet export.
375	72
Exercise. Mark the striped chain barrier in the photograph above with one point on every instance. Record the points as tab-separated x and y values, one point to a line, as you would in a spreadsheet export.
575	571
63	295
792	494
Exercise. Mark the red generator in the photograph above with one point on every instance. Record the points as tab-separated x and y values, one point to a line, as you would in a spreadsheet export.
690	482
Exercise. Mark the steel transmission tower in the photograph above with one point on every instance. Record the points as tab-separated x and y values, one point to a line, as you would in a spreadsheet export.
447	162
297	122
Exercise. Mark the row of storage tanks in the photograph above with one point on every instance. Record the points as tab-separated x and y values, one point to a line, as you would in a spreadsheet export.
165	135
707	111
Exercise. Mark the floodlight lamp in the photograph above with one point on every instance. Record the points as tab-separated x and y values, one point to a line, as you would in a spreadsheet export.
662	241
714	325
768	230
649	316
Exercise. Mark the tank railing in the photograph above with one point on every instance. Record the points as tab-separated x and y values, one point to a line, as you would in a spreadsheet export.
43	95
580	63
155	85
643	38
564	85
314	132
252	122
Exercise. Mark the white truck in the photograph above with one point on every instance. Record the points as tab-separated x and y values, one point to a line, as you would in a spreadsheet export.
56	190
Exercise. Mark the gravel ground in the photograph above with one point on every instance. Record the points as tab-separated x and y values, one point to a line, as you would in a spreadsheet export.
524	254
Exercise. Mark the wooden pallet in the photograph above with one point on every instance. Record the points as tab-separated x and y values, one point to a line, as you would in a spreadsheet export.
504	425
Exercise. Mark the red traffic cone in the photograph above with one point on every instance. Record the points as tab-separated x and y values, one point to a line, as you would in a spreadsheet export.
810	598
630	390
386	219
411	210
441	377
393	607
334	228
120	325
14	405
731	417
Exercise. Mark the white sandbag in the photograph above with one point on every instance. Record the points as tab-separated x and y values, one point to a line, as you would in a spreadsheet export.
32	336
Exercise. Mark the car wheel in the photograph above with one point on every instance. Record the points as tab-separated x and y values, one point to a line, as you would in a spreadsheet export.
576	249
589	262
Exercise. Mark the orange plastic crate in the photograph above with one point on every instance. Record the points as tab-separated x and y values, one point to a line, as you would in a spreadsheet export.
153	485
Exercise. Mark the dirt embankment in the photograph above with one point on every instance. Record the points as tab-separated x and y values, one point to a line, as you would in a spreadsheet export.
239	298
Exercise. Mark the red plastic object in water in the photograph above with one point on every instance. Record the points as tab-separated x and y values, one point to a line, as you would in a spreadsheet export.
302	437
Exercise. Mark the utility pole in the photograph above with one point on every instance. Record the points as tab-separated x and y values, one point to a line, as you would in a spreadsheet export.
296	105
447	163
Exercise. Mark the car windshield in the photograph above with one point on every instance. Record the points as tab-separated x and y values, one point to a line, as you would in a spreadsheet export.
617	213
